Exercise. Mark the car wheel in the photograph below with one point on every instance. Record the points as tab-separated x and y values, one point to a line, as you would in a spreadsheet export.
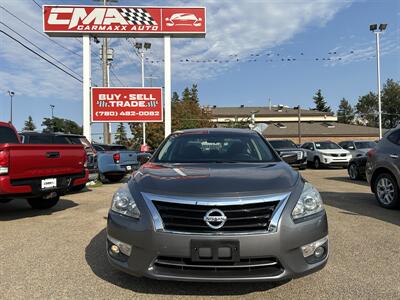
114	178
78	188
41	203
353	172
5	200
386	191
102	178
317	163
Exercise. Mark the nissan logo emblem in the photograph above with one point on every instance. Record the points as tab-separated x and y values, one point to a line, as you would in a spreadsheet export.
215	218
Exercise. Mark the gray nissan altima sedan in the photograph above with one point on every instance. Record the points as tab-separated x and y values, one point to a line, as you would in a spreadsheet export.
217	205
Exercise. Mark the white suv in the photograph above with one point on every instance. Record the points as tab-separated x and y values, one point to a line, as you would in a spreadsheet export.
326	153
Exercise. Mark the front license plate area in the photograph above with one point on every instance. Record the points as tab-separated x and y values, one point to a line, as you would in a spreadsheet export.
215	251
49	183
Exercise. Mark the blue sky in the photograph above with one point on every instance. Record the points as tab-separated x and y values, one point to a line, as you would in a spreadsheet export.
247	30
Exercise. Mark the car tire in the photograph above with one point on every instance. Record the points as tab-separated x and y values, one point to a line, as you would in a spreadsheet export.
5	200
114	178
41	203
78	188
386	191
316	163
352	170
102	178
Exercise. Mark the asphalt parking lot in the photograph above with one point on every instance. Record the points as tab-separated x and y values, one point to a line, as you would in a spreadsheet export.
60	253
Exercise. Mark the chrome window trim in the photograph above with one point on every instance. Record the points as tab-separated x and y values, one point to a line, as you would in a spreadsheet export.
218	201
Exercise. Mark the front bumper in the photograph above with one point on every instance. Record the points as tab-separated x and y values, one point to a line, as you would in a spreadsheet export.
282	246
335	161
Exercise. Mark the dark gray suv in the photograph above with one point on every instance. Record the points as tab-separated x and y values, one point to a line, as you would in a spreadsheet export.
383	169
217	205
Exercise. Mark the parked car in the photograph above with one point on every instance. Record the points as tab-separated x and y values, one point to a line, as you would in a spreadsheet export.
326	153
357	148
356	168
217	205
38	173
115	161
287	146
383	169
30	137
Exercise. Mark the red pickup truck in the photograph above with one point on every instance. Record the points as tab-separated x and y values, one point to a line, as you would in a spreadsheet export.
38	173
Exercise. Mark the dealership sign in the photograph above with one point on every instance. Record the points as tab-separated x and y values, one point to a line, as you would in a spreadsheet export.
75	20
126	104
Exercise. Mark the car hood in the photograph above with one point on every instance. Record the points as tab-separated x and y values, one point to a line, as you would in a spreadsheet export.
334	151
220	179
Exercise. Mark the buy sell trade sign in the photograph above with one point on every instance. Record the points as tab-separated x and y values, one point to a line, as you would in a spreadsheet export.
114	104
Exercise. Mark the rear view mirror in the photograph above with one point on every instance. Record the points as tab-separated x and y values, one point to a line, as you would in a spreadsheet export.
288	157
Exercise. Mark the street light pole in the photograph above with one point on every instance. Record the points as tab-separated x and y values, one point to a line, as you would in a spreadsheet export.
52	110
144	124
374	29
11	93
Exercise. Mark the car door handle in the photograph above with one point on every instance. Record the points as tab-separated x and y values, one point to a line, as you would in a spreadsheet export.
53	154
395	156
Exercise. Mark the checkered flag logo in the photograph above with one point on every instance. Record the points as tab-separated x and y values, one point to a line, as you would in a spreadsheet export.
137	16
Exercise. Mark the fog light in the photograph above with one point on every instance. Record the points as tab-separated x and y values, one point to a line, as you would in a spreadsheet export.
314	248
114	249
120	247
319	252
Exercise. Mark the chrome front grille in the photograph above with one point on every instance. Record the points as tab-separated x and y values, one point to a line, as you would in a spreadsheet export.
186	217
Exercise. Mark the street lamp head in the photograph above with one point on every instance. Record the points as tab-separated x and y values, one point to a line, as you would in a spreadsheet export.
382	27
373	27
138	45
11	93
147	46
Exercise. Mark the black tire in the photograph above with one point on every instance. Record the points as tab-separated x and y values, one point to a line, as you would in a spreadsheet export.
114	178
389	198
40	203
317	163
353	172
78	188
5	200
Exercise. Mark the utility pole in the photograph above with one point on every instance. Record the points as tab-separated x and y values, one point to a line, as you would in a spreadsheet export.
374	29
11	94
52	110
299	123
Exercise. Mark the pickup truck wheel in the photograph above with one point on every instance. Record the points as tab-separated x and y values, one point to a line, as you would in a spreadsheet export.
387	191
41	203
317	163
5	200
114	178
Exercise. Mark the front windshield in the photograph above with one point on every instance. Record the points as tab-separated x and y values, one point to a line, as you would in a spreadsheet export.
365	145
277	144
215	147
326	145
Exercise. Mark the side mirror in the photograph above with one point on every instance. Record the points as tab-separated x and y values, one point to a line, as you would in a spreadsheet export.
143	158
350	148
288	157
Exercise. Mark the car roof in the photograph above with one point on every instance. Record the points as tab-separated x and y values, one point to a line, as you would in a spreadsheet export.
50	133
216	130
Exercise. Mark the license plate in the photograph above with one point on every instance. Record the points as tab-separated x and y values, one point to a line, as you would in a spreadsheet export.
128	168
49	183
215	251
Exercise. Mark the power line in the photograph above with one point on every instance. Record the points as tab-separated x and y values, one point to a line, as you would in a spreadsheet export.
42	57
38	5
61	63
42	34
115	75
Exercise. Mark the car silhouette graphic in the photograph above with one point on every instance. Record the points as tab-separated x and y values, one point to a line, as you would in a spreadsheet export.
183	19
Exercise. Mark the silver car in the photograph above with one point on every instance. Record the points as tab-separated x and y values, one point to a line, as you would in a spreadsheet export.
357	148
383	169
217	205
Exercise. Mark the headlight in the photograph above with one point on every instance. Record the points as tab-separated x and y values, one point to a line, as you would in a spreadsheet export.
309	203
124	204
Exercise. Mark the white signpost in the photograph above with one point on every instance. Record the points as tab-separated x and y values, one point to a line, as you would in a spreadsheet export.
123	21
